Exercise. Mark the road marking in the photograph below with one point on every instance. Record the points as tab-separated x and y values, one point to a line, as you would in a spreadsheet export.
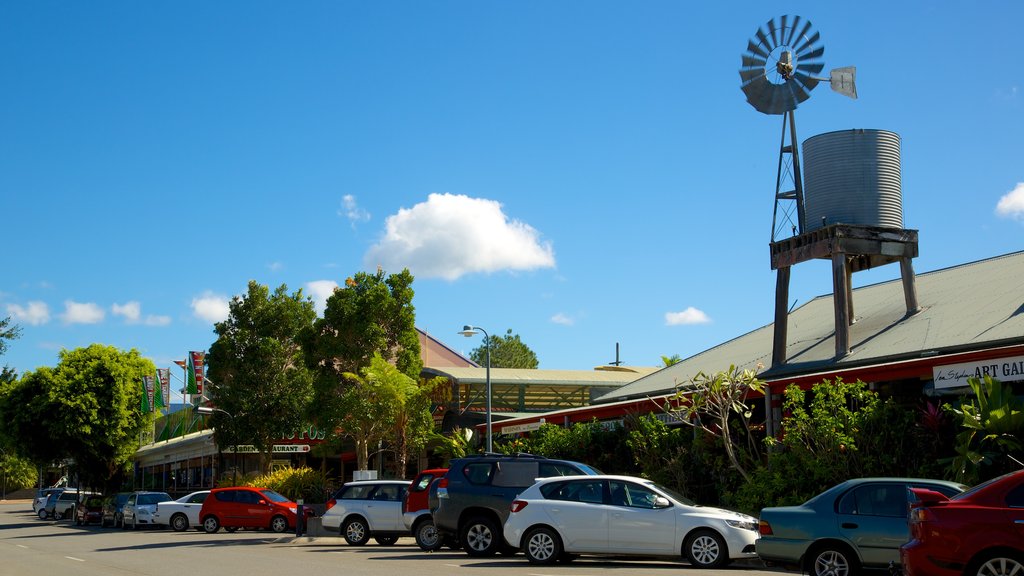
454	565
22	546
75	559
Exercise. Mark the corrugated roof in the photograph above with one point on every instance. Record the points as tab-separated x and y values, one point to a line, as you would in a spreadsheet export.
973	306
468	375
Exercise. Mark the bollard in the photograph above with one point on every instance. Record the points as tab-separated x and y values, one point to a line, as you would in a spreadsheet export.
300	518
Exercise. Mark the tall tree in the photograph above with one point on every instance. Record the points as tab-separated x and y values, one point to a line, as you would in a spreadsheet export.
8	331
372	314
507	351
85	409
257	371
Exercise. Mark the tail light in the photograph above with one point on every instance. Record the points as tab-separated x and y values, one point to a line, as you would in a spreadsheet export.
919	517
443	482
330	504
764	528
517	505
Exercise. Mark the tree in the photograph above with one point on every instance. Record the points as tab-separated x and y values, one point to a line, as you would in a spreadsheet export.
670	360
8	332
709	402
372	315
507	351
257	369
85	409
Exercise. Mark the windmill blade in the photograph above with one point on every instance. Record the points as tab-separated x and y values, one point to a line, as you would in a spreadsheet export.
810	42
810	68
808	82
813	54
774	32
764	39
788	40
755	49
797	90
749	75
754	62
843	80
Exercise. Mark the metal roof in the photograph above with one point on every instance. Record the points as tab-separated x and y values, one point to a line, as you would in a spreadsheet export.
972	306
597	377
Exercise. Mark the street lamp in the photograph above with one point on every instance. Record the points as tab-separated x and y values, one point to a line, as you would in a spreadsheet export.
468	331
210	410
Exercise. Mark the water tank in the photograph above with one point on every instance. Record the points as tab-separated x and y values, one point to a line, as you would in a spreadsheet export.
852	177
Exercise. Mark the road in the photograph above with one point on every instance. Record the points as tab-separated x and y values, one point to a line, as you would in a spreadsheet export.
33	547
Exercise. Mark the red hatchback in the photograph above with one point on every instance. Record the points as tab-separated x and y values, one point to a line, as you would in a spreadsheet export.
977	533
246	507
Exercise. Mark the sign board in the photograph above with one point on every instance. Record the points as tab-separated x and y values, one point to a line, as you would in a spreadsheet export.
276	448
521	428
956	375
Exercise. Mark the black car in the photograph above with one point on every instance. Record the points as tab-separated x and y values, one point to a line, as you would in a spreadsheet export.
471	502
113	510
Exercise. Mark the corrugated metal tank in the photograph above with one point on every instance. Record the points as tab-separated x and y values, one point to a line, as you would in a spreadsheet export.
852	177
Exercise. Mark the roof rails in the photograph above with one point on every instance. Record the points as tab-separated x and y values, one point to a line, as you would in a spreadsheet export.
500	455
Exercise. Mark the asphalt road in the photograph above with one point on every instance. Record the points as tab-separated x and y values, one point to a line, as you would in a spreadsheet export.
33	547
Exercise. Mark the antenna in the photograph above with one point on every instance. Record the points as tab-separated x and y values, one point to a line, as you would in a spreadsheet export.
778	72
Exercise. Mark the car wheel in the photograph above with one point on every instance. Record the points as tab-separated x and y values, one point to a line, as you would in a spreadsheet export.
42	514
386	540
480	536
179	522
706	549
355	531
211	524
427	536
997	565
832	561
279	524
542	546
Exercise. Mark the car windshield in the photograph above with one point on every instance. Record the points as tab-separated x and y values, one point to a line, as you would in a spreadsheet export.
273	496
590	470
675	495
153	498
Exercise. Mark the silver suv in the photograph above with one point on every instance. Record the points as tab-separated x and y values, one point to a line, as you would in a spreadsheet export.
471	501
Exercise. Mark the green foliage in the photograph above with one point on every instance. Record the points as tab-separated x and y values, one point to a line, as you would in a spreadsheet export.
292	483
450	446
8	331
714	403
670	360
507	351
258	374
991	427
17	472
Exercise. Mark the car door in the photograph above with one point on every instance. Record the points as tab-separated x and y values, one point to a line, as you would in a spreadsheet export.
577	509
192	505
128	510
384	508
255	509
873	517
636	526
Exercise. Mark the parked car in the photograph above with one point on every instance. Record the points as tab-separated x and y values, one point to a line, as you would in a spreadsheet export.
113	508
89	510
181	513
977	533
856	524
41	495
246	507
60	505
470	503
416	511
368	508
558	519
139	508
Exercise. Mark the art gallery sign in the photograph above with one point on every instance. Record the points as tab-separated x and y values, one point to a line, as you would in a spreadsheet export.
956	375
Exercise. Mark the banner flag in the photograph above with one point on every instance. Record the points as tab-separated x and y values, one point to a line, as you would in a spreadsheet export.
190	377
197	360
147	394
163	398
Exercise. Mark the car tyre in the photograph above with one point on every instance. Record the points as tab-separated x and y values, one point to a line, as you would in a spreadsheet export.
427	536
995	565
279	524
542	546
355	531
42	514
386	540
706	549
211	524
179	522
832	560
480	537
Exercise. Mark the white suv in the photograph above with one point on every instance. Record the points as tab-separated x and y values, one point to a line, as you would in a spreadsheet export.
369	508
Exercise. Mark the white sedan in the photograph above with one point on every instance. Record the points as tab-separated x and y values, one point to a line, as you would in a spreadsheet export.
561	517
181	513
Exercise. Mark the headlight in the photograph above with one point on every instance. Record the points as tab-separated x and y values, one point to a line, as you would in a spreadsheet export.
744	524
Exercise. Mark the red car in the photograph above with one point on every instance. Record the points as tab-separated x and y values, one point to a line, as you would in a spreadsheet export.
89	511
245	507
979	532
416	511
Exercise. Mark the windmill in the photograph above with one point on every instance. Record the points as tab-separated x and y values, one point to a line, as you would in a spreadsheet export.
778	73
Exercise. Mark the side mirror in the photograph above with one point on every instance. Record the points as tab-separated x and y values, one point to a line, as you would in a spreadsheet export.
661	502
262	501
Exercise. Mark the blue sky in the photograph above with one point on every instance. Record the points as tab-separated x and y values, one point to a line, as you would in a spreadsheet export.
583	173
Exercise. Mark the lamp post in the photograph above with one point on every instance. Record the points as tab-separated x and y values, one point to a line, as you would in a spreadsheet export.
468	331
234	433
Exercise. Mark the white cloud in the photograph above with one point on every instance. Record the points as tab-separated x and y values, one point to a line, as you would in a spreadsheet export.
210	307
82	313
451	235
1012	204
35	313
689	316
154	320
275	266
320	291
352	211
131	311
562	319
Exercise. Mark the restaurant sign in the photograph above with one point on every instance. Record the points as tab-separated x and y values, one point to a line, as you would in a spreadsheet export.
956	375
277	448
